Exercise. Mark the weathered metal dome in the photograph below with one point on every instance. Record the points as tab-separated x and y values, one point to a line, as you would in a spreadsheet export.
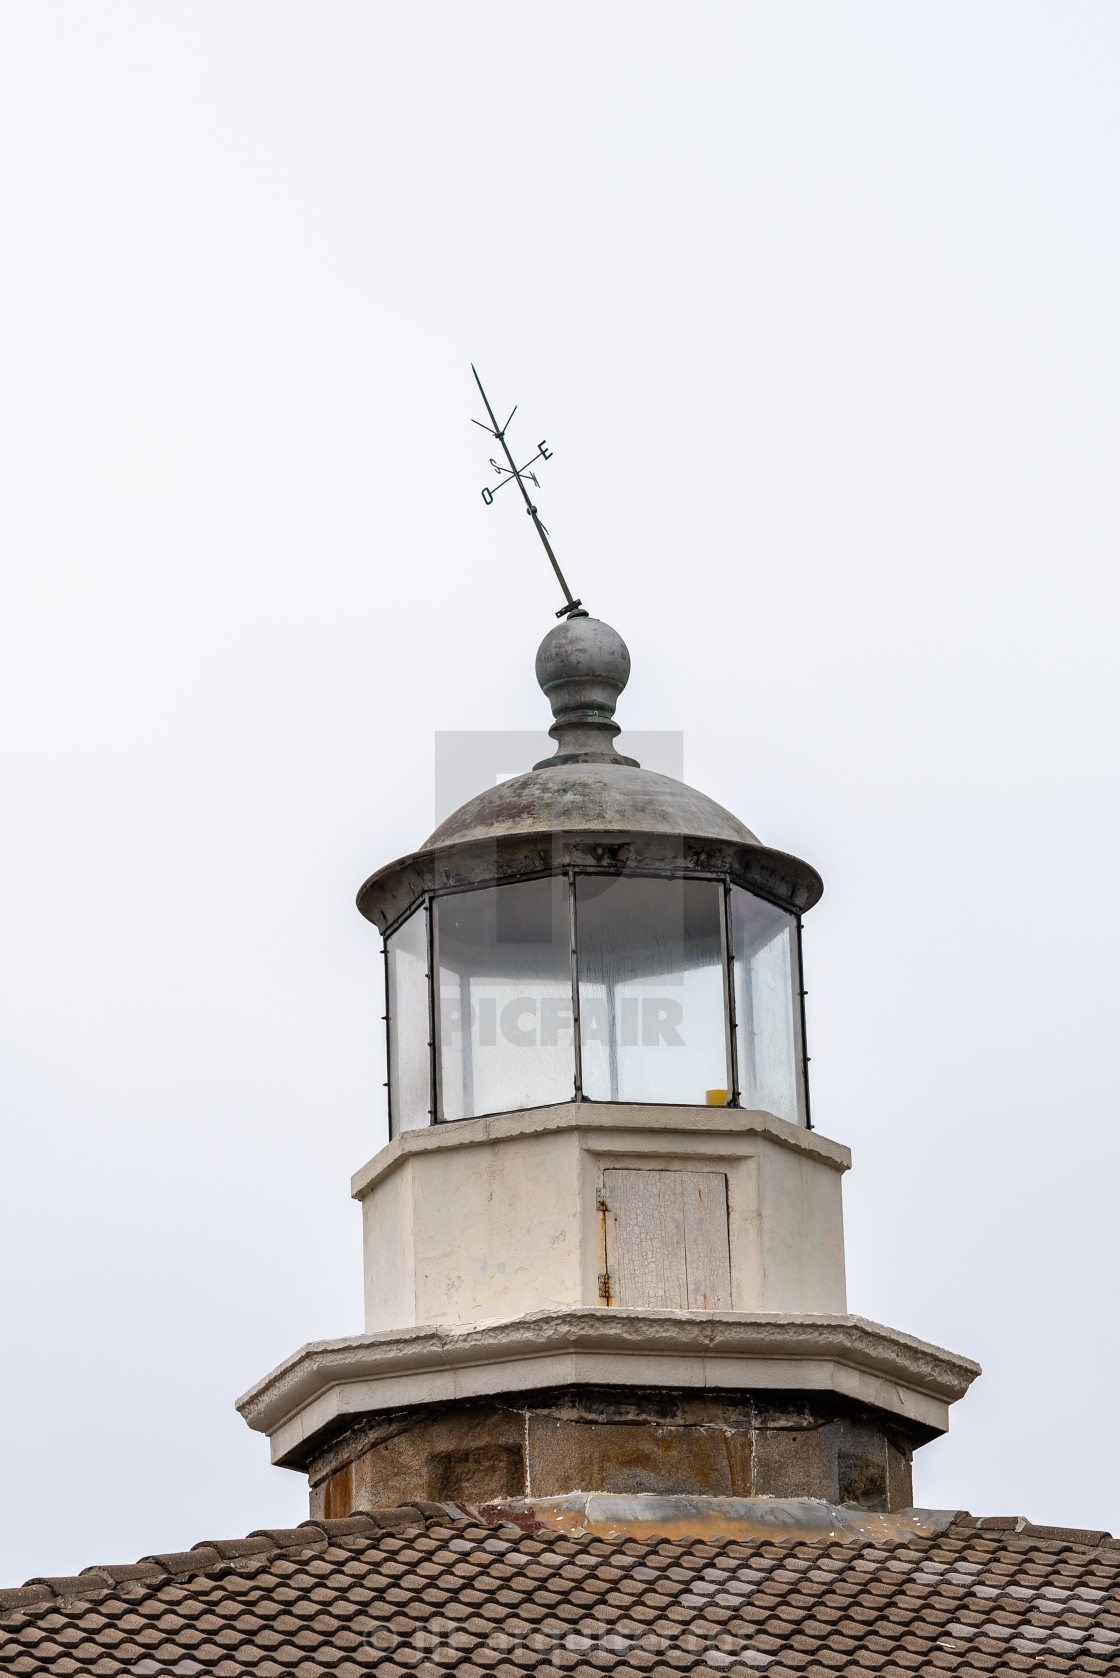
586	806
604	797
582	667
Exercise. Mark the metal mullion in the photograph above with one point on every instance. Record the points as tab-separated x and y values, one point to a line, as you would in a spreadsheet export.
388	1042
434	1091
577	1042
729	995
802	993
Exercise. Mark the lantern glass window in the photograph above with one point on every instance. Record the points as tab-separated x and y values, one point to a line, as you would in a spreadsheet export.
767	1007
406	971
652	998
504	1000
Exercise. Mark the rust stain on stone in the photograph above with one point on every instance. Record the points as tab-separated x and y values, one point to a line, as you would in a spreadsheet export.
338	1494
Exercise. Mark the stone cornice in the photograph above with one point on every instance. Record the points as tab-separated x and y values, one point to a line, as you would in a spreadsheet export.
329	1384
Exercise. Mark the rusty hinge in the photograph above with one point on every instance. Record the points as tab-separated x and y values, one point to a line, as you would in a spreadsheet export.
605	1286
602	1203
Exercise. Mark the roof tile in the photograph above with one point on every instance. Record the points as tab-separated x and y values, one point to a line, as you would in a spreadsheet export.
427	1590
185	1561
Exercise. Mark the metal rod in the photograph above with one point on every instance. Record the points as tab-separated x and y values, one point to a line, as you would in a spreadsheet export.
500	434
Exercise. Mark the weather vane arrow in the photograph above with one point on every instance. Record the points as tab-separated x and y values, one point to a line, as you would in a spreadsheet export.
512	473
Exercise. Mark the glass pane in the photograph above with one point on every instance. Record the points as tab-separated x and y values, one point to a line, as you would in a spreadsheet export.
652	1003
505	999
407	1007
767	1009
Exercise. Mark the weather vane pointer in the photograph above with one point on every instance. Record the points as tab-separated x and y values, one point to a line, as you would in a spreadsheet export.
512	473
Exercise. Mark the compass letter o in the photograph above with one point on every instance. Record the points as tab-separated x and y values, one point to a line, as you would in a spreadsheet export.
487	496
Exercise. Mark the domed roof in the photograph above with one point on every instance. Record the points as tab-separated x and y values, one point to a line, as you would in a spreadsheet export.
595	807
590	796
582	666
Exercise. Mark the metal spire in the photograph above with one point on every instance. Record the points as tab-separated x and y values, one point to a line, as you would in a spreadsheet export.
512	473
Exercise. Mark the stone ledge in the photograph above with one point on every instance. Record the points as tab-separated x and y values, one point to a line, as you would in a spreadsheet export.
327	1384
597	1116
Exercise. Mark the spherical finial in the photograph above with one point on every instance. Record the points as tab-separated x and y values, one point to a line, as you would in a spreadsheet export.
582	667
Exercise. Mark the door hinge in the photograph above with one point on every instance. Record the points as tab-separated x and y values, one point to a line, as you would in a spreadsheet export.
605	1286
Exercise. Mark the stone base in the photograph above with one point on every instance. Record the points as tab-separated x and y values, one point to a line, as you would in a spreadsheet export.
609	1400
554	1442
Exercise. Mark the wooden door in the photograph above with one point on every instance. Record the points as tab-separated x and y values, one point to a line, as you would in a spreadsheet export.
666	1239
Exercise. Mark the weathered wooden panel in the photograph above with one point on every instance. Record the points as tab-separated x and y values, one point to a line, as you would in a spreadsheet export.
645	1239
667	1241
707	1253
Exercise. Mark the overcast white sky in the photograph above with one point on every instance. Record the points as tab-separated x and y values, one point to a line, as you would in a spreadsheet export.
817	306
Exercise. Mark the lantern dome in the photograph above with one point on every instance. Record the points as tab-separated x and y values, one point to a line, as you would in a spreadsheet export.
587	802
582	666
614	797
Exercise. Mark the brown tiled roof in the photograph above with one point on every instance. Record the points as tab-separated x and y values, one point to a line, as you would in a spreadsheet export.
430	1590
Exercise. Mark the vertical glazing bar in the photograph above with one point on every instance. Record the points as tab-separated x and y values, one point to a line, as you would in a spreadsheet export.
433	1011
388	1043
577	1044
729	996
801	995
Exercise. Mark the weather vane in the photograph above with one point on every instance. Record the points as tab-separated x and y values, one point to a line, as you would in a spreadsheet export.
518	474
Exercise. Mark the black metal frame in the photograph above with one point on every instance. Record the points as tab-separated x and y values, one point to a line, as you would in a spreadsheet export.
421	906
729	1014
802	993
391	894
428	899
